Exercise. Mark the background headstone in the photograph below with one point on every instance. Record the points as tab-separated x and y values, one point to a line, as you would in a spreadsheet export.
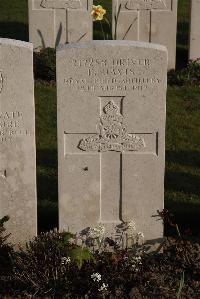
152	21
111	134
17	140
194	48
54	22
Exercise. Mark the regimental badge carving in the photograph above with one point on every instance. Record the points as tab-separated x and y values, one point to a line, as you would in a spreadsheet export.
113	134
72	4
1	82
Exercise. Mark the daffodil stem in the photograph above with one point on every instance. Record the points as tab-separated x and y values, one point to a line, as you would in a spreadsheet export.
102	30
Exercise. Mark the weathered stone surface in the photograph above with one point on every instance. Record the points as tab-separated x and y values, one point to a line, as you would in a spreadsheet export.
54	22
152	21
194	48
17	140
111	134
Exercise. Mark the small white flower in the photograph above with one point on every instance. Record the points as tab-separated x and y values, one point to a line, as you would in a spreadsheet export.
65	260
97	231
126	258
131	225
96	276
138	258
72	241
135	268
140	237
131	228
103	288
135	262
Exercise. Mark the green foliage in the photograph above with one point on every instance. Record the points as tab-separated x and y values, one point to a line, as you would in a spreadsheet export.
39	271
43	266
5	247
38	268
64	242
53	266
45	64
188	76
182	281
80	255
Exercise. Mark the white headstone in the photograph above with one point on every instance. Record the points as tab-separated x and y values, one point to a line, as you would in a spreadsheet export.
194	48
17	140
111	134
54	22
152	21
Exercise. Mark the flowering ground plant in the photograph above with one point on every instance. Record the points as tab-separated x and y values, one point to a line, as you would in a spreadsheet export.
5	247
98	14
63	265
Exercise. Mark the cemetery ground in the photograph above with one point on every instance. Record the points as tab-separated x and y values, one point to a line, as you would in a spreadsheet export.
173	275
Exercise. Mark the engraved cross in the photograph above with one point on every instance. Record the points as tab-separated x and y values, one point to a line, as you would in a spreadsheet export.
111	143
139	13
64	14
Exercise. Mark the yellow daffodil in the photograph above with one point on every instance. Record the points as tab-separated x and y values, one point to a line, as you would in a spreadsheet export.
97	12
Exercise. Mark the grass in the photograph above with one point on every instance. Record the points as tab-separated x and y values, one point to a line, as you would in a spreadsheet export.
46	139
182	33
182	184
14	19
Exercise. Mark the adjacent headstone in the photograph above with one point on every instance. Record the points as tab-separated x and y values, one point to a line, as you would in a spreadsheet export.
111	134
194	48
54	22
153	21
17	140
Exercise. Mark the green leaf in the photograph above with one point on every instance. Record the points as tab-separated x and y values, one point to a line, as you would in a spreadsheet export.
66	236
80	255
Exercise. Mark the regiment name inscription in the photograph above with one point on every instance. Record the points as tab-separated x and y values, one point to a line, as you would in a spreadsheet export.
12	126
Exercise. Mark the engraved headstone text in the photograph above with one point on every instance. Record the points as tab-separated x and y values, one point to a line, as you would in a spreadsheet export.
61	4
